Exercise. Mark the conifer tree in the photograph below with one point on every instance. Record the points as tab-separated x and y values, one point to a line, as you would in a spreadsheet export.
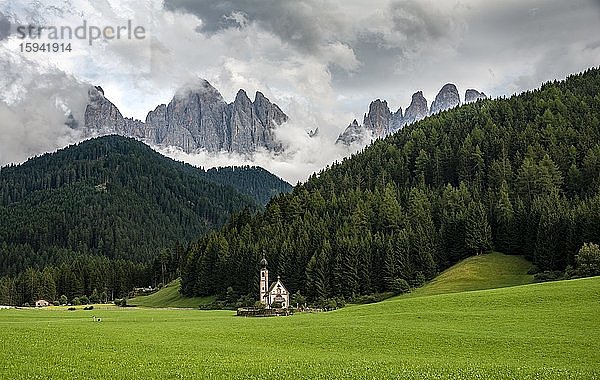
505	221
478	237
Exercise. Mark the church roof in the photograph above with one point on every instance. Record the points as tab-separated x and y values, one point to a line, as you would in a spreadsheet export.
275	284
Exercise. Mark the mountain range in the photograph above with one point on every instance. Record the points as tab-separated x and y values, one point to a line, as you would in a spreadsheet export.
380	121
196	118
199	118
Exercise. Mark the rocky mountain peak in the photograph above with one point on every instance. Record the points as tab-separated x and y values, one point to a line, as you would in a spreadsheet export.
417	110
201	90
447	98
472	95
379	121
353	133
242	97
378	118
196	118
259	97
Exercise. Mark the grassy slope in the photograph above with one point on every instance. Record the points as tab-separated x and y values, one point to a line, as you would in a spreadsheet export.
537	331
169	296
490	271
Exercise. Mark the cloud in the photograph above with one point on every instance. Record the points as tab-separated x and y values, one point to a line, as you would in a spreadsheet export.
321	62
305	25
302	156
33	109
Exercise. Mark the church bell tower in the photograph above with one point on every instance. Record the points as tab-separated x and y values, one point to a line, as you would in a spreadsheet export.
264	282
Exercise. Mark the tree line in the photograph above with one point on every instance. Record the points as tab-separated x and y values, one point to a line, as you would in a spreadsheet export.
77	276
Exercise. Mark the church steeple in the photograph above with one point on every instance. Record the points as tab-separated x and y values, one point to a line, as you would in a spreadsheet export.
264	281
263	262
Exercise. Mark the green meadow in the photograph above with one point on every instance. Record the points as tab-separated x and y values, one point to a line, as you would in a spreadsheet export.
534	331
489	271
169	296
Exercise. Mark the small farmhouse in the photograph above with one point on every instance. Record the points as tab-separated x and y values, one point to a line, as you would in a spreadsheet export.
42	303
275	295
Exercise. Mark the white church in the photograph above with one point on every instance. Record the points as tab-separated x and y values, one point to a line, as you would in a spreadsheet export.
274	294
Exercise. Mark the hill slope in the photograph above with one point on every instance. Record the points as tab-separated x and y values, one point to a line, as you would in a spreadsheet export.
250	180
112	195
170	297
489	271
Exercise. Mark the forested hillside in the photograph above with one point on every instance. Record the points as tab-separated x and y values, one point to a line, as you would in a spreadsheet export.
106	214
250	180
519	175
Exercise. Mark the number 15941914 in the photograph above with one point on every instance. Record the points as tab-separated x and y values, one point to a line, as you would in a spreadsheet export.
34	47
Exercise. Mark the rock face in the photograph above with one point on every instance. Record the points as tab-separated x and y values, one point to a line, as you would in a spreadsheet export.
447	98
473	96
354	133
417	109
378	118
195	119
380	122
396	122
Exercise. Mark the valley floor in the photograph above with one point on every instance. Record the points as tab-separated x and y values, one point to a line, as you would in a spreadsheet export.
537	331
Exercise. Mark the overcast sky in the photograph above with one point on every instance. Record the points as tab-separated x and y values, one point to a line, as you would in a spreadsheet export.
321	61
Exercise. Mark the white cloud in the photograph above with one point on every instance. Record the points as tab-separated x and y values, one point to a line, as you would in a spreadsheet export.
321	62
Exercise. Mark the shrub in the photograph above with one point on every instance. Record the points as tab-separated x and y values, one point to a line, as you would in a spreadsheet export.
56	303
84	300
76	301
63	300
570	272
418	280
121	302
330	304
95	297
245	301
548	276
298	300
399	286
371	298
588	260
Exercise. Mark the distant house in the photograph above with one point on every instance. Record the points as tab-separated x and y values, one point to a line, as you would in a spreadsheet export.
42	303
274	295
142	291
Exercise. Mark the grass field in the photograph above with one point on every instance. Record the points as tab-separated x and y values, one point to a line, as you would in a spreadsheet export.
538	331
170	297
489	271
